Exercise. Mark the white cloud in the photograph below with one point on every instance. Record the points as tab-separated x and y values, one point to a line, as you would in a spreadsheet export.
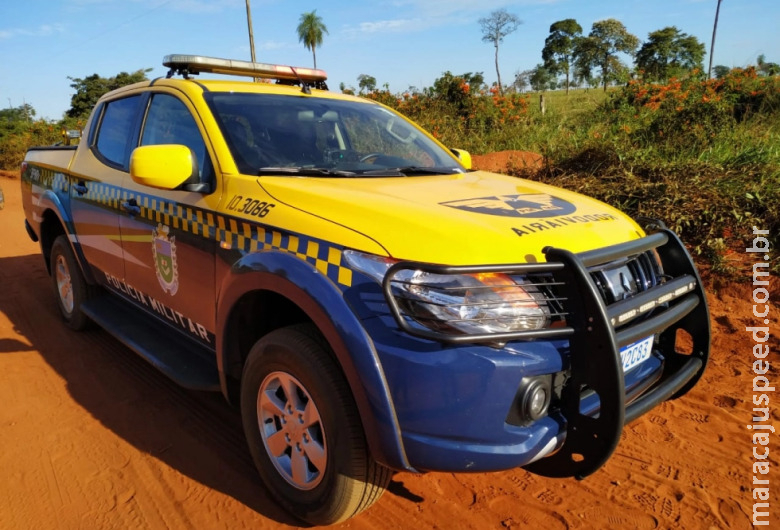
44	30
203	6
272	45
189	6
425	14
440	8
394	26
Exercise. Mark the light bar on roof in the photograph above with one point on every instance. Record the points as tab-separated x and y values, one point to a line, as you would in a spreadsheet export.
194	64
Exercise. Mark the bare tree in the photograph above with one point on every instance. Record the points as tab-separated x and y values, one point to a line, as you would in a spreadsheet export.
498	25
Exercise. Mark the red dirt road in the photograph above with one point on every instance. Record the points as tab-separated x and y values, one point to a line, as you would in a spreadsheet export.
92	437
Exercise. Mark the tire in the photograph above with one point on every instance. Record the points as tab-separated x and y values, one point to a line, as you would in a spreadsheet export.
70	286
309	449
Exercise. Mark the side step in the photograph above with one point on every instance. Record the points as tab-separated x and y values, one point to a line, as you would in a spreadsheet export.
185	362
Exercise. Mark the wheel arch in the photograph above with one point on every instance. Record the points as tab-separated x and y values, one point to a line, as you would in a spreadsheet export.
286	290
54	221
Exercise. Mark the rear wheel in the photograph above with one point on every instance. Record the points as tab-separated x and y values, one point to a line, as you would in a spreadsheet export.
304	431
69	284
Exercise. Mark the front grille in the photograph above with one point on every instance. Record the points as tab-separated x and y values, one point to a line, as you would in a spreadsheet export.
623	279
615	281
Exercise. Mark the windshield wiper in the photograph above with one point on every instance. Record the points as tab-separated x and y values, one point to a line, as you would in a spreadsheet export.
305	171
407	171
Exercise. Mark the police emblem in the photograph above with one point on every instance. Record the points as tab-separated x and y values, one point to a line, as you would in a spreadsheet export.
525	205
164	250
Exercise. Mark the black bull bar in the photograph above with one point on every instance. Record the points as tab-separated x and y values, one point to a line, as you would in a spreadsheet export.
596	332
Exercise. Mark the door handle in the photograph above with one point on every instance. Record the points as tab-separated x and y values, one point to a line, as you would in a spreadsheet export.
81	188
131	207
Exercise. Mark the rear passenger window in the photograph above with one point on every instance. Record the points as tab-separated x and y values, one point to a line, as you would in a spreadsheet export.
116	128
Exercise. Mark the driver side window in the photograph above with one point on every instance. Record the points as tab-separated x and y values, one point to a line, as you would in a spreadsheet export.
168	121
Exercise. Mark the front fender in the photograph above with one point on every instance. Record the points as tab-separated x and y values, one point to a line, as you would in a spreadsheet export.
322	301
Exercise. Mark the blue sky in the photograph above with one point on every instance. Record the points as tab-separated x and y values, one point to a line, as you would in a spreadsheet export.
400	42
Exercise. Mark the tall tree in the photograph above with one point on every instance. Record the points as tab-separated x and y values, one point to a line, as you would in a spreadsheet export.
310	32
498	25
558	50
90	88
600	48
669	52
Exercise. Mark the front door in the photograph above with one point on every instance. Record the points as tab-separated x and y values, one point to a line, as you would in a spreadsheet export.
168	242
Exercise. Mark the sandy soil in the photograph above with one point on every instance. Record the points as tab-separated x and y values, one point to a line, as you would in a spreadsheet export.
93	437
503	160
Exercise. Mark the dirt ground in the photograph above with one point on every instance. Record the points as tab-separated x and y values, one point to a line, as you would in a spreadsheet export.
92	437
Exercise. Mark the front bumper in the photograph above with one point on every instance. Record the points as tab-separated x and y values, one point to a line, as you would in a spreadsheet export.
473	434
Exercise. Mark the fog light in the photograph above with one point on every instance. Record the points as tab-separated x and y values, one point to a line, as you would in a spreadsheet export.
532	400
536	400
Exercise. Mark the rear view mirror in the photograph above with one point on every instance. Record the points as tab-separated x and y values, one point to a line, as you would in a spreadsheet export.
164	166
464	157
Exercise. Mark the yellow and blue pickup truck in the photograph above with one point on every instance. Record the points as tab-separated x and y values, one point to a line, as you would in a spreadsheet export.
367	300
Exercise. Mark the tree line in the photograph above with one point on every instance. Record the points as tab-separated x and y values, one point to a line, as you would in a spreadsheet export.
595	58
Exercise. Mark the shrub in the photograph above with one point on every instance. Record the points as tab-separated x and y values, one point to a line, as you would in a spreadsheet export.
15	141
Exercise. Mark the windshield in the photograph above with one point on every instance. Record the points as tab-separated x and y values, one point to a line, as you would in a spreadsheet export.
278	134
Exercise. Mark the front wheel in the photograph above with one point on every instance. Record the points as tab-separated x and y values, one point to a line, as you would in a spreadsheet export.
304	431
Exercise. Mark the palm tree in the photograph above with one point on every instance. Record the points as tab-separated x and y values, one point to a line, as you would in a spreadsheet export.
310	30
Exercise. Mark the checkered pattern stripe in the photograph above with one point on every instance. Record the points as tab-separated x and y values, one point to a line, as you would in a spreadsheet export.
229	232
51	180
326	258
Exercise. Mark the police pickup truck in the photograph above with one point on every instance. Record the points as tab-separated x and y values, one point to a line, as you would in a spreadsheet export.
367	300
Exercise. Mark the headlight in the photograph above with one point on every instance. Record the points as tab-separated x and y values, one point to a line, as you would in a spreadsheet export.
464	303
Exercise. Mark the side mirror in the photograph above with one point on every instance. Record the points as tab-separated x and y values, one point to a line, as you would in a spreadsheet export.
164	166
464	157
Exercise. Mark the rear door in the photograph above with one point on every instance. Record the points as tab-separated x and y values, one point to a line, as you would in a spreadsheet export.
169	238
97	174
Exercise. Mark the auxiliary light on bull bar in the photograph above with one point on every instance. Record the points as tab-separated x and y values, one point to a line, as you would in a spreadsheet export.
195	64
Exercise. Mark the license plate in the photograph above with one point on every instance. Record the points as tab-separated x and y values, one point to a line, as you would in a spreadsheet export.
636	353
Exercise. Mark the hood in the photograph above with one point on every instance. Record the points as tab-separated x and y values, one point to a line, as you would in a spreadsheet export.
462	219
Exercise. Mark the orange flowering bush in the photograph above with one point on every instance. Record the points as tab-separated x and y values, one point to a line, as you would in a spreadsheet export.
691	112
457	112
